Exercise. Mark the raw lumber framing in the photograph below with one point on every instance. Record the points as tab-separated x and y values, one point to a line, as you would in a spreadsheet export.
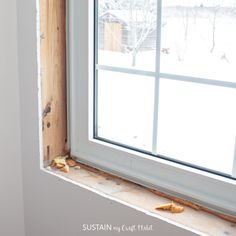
53	76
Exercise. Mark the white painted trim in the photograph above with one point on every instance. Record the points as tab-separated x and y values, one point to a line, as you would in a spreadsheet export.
39	71
218	192
234	162
68	76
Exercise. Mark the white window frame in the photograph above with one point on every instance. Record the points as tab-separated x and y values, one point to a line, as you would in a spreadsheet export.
199	186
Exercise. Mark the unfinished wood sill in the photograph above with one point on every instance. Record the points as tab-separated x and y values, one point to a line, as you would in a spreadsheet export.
145	200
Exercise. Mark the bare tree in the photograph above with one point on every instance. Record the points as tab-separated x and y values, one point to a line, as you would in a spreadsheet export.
213	22
184	11
142	23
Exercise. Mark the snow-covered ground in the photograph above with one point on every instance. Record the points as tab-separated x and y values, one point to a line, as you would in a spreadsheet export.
196	123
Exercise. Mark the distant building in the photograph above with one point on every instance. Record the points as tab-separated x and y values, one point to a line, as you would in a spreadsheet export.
119	31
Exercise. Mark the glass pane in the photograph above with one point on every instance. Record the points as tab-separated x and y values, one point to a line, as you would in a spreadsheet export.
197	124
125	108
127	34
198	38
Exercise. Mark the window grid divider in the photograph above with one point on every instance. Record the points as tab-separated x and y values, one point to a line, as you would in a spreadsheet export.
157	78
184	78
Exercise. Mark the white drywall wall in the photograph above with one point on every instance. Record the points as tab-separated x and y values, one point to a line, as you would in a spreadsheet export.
54	207
11	198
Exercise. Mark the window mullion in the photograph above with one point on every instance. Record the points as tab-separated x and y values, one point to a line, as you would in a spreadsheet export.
126	70
192	79
157	79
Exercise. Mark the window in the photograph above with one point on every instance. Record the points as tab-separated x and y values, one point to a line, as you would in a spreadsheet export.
153	93
185	118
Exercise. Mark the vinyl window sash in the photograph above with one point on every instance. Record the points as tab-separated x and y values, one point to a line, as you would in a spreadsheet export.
138	167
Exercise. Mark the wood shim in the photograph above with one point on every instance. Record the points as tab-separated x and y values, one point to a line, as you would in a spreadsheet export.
172	207
176	199
53	76
194	206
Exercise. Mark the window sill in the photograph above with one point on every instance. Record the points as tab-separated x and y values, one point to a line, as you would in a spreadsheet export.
144	200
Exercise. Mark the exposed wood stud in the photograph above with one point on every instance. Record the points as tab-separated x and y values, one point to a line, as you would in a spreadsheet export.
53	68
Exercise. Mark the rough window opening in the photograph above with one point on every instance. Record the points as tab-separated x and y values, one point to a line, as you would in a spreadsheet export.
53	62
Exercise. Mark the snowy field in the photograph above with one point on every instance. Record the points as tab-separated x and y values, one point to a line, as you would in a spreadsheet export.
196	122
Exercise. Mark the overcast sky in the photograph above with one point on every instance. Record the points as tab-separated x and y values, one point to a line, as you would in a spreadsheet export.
223	3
